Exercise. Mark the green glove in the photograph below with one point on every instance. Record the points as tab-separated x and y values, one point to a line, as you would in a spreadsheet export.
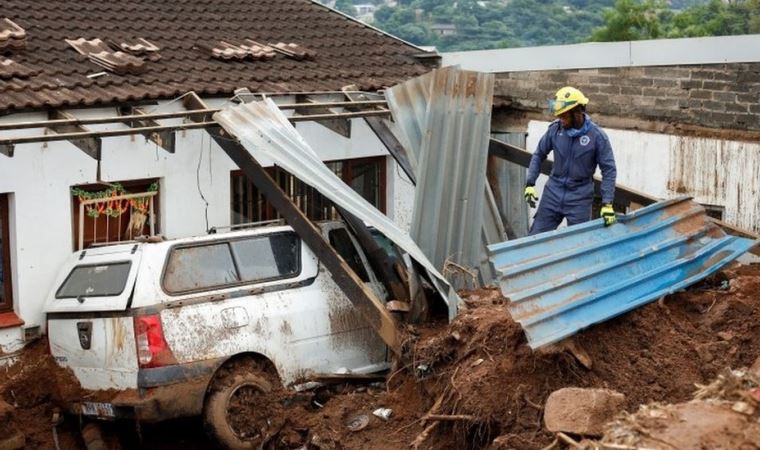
530	196
608	214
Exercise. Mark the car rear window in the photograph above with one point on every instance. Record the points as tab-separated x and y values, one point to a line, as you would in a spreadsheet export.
225	264
95	280
200	267
268	257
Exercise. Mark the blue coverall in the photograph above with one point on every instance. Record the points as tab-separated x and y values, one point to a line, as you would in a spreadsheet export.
570	189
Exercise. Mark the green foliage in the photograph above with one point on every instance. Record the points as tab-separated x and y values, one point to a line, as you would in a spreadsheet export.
631	20
516	23
346	6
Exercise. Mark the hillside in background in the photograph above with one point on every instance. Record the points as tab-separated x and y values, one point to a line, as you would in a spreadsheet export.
454	25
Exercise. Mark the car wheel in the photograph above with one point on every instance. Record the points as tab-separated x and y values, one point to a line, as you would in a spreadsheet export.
240	408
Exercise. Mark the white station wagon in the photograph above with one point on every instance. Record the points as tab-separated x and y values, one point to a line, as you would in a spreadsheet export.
200	325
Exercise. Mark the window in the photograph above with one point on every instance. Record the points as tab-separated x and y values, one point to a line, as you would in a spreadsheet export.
114	216
268	257
203	266
99	280
227	264
342	243
6	290
366	176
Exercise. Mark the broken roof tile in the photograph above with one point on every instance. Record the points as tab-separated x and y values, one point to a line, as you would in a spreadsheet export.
294	51
344	51
101	54
12	36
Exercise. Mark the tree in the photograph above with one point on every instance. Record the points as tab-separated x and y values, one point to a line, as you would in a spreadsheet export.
631	20
346	7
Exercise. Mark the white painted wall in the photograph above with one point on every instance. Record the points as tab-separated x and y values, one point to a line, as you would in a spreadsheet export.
39	178
713	171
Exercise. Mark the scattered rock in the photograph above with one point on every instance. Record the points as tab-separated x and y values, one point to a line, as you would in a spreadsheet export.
581	411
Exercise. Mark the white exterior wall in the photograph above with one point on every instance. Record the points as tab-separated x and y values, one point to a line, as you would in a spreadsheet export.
713	171
39	177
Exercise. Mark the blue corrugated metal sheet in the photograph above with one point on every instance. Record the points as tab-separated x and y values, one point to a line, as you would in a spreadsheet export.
562	281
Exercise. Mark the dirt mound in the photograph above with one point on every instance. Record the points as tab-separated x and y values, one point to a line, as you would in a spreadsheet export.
476	384
35	385
725	415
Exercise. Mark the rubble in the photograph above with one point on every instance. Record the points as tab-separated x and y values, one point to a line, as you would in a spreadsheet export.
482	386
722	416
581	411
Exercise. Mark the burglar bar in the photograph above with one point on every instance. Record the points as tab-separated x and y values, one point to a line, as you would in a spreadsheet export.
93	201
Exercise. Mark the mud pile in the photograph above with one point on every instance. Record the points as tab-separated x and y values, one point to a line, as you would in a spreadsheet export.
472	384
488	388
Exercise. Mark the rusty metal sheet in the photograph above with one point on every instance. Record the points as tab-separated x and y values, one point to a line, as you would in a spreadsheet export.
445	119
562	281
265	131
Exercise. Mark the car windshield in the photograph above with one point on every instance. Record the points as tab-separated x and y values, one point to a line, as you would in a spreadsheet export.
95	280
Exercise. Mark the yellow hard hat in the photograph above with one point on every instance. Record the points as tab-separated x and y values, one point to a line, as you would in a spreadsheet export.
566	99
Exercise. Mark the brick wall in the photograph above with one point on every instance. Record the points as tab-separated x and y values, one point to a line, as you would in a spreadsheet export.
722	96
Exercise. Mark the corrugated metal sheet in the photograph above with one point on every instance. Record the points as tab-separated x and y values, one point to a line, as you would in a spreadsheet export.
445	118
266	132
511	179
563	281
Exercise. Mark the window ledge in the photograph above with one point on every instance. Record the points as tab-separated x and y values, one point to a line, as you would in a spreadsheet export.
10	319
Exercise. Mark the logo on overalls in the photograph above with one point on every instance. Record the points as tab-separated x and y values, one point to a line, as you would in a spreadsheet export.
585	140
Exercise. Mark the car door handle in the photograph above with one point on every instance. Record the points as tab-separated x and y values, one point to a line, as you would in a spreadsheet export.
84	331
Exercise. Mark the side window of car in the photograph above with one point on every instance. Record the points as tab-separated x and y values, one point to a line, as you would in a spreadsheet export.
268	257
200	267
342	243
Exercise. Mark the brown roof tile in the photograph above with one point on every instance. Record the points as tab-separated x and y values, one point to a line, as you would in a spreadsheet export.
337	51
12	36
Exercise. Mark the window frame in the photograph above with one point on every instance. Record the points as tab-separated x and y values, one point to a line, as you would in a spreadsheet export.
5	254
58	295
228	242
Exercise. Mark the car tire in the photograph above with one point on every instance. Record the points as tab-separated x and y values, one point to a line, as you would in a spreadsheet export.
240	406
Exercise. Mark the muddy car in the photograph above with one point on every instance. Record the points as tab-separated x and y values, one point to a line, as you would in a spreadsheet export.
200	326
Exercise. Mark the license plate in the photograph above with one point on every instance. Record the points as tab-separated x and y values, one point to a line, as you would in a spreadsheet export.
97	409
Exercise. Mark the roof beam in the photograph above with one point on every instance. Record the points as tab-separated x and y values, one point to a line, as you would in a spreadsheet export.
384	133
338	125
164	139
90	145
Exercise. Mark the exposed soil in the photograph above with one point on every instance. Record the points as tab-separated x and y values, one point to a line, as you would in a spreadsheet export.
478	369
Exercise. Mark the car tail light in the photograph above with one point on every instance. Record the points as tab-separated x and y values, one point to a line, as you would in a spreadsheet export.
152	349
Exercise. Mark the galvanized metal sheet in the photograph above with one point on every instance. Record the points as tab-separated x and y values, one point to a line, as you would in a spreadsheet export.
445	118
562	281
266	132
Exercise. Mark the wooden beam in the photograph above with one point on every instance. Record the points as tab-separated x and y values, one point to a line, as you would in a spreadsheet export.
164	139
624	195
369	307
90	145
340	126
386	136
7	150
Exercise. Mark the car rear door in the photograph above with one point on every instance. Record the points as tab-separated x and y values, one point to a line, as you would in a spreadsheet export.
89	328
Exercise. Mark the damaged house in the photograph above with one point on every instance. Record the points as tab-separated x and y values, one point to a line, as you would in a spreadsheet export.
75	62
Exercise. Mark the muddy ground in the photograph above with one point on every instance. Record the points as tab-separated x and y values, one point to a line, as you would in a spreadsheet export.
478	369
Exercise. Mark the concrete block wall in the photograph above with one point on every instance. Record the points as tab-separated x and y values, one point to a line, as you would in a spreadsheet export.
725	96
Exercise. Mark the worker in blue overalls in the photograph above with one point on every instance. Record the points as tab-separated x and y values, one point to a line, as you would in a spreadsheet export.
579	146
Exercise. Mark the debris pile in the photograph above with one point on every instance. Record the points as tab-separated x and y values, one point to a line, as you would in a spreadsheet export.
476	384
724	415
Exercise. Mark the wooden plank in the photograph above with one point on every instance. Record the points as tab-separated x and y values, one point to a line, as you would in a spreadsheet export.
90	145
164	139
386	136
364	299
624	195
338	125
